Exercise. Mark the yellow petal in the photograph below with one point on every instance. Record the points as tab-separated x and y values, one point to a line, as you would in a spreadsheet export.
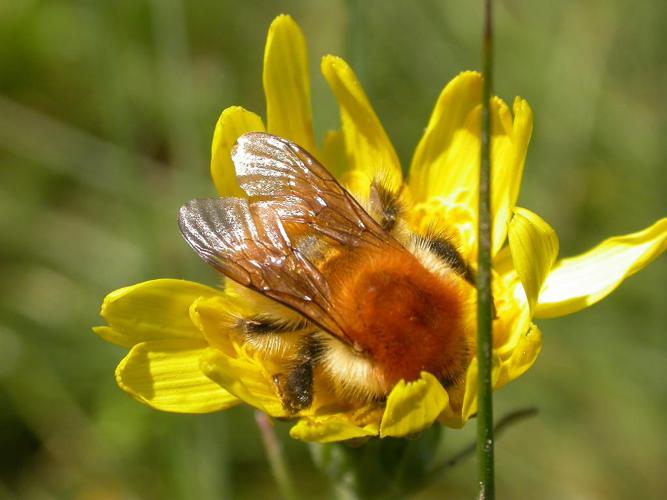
534	247
232	124
414	406
245	378
469	407
513	311
502	262
111	335
446	161
217	318
508	162
358	184
578	282
165	375
367	146
333	153
457	417
522	357
287	85
152	310
330	428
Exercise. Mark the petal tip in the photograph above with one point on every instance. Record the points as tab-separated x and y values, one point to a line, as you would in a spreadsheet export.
469	73
523	113
282	20
468	77
283	26
332	62
229	110
113	297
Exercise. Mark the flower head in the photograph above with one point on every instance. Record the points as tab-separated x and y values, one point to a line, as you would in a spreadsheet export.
190	348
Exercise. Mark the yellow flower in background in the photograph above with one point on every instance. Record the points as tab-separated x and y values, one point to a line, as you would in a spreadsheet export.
186	354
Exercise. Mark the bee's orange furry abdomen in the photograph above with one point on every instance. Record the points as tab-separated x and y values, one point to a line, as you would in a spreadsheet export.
403	318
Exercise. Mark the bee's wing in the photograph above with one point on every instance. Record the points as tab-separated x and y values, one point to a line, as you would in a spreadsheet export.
248	244
262	242
301	191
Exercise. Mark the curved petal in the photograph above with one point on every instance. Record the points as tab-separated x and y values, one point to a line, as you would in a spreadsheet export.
244	378
446	161
287	85
414	406
331	428
232	124
508	161
366	143
534	247
523	356
165	375
578	282
152	310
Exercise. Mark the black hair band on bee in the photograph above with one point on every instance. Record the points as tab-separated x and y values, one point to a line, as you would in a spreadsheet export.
447	252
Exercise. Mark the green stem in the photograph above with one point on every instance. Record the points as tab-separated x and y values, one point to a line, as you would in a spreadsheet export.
274	453
484	297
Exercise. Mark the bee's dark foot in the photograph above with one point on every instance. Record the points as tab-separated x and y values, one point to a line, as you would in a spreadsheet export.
296	387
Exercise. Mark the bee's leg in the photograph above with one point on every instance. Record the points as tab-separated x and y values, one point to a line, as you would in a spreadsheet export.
296	386
387	204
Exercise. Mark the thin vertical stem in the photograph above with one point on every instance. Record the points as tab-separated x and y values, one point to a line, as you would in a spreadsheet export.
484	297
274	454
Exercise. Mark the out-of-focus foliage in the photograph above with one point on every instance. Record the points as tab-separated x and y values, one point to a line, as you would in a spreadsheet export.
106	115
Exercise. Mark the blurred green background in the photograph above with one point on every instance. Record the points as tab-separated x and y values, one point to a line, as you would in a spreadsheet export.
106	114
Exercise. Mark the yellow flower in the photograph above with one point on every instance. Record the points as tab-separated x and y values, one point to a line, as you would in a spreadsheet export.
185	351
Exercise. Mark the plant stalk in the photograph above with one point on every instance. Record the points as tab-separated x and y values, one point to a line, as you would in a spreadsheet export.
275	456
485	442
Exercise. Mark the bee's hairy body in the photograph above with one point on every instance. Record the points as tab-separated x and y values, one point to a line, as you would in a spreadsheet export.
408	305
394	307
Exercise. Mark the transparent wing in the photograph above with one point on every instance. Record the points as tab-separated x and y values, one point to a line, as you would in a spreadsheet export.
280	240
302	191
247	244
